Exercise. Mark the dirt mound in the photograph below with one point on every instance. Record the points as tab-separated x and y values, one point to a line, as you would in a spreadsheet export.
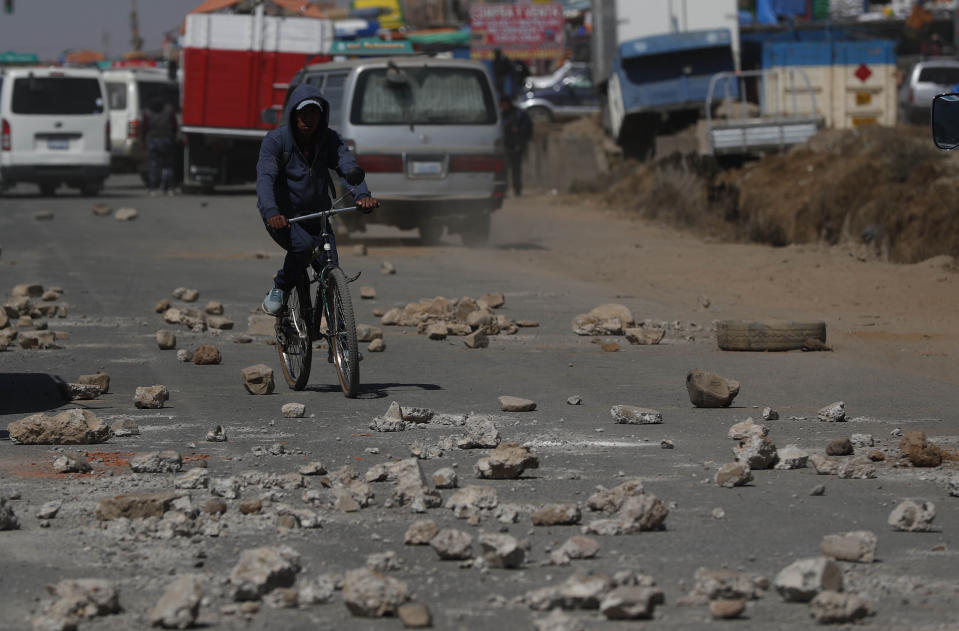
888	189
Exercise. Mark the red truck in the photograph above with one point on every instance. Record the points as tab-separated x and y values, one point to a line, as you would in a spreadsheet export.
236	66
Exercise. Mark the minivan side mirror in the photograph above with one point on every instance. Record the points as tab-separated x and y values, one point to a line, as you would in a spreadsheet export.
270	116
945	121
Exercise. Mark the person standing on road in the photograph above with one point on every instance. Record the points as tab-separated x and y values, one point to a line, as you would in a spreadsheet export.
501	70
292	178
517	130
159	132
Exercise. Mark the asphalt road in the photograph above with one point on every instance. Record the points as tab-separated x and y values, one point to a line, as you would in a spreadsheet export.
114	272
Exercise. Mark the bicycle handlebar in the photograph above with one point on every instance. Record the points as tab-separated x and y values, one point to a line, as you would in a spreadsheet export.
325	213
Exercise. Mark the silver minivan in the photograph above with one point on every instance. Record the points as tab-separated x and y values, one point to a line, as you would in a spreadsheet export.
129	91
427	132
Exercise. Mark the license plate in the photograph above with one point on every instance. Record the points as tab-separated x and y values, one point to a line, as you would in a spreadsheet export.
863	98
427	168
58	143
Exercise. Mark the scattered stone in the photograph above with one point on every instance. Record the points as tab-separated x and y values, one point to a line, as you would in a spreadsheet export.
8	519
383	561
639	513
644	336
469	500
359	249
135	505
839	447
911	516
918	451
757	452
833	413
179	606
632	415
261	570
71	427
151	397
611	500
216	435
445	478
78	391
416	415
186	295
184	355
709	390
312	468
713	584
173	316
293	410
44	215
574	400
818	490
213	307
166	340
258	379
501	550
71	463
126	214
195	478
481	433
824	465
415	615
526	324
437	331
875	455
576	547
206	355
260	325
420	532
792	457
367	292
376	346
733	474
81	599
30	340
770	414
558	621
516	404
631	603
167	461
834	607
801	580
858	546
49	510
162	306
476	339
100	379
250	507
507	461
725	609
609	347
228	488
372	594
102	209
386	268
859	468
557	515
219	323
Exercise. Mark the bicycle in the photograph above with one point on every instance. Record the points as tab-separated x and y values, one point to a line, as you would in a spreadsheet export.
330	316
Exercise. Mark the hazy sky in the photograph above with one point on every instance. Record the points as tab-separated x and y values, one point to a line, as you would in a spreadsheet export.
47	27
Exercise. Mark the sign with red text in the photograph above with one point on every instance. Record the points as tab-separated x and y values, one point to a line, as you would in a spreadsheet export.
525	31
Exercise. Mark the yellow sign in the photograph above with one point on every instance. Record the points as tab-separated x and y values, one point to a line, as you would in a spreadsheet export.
391	18
861	121
863	98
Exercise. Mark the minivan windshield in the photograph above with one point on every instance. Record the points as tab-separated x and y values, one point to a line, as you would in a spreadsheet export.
422	95
57	95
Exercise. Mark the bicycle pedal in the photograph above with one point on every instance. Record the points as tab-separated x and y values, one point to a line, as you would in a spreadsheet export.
351	279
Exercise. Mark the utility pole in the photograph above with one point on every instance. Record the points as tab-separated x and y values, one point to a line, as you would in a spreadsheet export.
136	42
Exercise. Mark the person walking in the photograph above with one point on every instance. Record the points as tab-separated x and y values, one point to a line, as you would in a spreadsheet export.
159	133
517	130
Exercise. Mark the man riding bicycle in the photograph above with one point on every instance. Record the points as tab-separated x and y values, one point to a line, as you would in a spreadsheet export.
292	178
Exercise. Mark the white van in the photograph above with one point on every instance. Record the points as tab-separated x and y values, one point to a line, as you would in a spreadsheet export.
129	90
55	129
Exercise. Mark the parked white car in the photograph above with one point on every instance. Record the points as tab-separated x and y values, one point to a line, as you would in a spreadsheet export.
922	83
129	91
55	129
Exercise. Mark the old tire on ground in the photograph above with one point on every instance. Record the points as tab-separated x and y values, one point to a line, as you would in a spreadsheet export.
747	335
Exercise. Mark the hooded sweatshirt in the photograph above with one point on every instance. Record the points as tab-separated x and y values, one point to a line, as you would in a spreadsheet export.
286	183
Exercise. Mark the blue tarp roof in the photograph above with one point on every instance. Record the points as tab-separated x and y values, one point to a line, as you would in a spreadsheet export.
657	44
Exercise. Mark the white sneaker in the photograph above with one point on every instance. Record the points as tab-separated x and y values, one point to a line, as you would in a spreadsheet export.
274	301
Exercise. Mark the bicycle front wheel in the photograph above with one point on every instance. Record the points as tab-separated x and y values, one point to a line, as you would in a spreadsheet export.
293	337
342	332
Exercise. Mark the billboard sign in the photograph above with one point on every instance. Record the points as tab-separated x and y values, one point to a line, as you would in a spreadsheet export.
525	31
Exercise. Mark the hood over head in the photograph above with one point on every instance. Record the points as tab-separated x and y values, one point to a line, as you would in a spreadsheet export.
301	93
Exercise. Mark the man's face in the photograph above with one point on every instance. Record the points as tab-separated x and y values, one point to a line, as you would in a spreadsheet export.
308	120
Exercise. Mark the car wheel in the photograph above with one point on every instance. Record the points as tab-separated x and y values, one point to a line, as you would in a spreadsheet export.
540	114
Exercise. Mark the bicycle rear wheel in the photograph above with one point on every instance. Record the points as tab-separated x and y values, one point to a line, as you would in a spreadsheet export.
293	337
342	332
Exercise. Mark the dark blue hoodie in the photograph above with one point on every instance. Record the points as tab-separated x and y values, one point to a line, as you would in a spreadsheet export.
286	184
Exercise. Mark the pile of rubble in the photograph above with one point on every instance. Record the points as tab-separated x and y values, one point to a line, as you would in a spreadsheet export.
197	320
616	320
23	318
474	320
